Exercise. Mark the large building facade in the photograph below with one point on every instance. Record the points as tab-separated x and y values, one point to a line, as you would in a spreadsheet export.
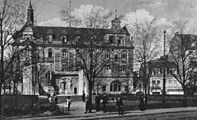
54	61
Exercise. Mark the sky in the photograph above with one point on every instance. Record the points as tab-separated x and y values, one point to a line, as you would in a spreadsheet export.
48	11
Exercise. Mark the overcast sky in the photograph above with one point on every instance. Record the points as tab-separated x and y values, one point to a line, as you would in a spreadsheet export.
48	10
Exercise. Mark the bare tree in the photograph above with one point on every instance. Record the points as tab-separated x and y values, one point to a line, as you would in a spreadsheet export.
146	36
89	48
181	57
89	44
179	53
97	18
11	18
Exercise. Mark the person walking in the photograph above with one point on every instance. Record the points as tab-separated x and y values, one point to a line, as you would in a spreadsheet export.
97	101
87	105
75	90
68	102
104	101
83	96
141	105
119	105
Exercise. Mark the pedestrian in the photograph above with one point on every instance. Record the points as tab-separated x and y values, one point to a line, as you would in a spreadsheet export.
68	102
75	90
55	99
83	96
119	105
104	101
87	105
141	105
97	101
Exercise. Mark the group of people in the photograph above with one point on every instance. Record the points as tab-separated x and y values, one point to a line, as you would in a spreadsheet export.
102	99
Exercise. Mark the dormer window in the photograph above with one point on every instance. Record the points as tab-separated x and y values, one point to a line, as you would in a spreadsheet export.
111	39
116	57
64	38
50	53
51	35
124	54
50	38
123	41
28	33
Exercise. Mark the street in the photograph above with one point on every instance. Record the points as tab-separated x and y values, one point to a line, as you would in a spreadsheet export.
164	116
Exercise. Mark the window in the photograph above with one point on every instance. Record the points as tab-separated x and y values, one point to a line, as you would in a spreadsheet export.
154	71
123	68
115	86
126	88
103	88
123	41
170	71
153	82
158	82
65	54
50	53
116	57
64	39
161	71
107	54
111	39
124	54
50	38
107	67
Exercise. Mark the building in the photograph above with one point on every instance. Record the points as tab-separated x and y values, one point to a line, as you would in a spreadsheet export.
54	65
181	43
156	78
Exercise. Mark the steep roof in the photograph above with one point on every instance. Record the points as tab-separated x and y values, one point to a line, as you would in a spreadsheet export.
43	31
189	41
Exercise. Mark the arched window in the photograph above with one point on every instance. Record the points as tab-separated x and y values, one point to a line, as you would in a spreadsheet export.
107	54
124	54
50	53
115	86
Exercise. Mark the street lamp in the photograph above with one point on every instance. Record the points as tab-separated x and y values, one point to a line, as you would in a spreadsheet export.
164	75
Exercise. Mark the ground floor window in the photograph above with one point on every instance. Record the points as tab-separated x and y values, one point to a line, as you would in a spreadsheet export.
103	88
115	86
126	88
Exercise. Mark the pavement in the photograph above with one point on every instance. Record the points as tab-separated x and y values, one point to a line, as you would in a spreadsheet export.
78	109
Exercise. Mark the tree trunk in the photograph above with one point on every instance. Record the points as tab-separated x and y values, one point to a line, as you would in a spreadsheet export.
90	95
0	103
145	95
185	95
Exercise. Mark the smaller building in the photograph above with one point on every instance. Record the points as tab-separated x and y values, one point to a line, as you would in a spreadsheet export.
173	87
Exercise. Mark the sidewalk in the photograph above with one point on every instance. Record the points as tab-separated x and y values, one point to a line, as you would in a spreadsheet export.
78	108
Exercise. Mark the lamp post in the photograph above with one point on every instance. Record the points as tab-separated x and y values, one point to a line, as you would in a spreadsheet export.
164	75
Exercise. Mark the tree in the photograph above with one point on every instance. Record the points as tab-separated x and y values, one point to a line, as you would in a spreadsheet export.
89	49
181	57
11	18
146	35
94	17
179	52
89	44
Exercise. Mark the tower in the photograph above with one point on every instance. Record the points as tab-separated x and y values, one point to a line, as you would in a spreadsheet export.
115	22
30	14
